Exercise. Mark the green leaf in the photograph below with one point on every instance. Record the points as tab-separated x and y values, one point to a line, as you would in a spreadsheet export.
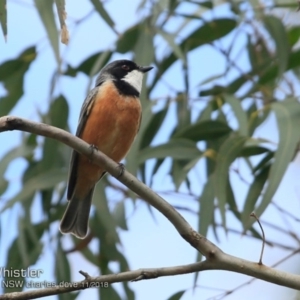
205	130
253	150
3	17
103	13
256	117
45	10
231	201
286	4
63	271
205	114
273	71
206	211
228	152
293	35
175	148
181	168
89	255
59	112
128	39
12	74
89	64
119	215
170	39
19	151
266	160
177	296
288	122
109	293
52	150
3	186
153	126
279	35
240	114
143	48
104	225
24	251
253	195
258	54
45	180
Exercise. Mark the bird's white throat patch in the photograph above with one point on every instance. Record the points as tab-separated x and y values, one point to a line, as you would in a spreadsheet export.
135	79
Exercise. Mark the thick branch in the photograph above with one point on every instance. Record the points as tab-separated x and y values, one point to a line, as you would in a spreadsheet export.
185	230
103	281
215	258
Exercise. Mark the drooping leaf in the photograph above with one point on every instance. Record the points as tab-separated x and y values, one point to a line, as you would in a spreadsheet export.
46	180
46	13
253	195
153	127
203	131
19	151
206	210
63	271
256	117
232	205
170	39
24	251
53	150
109	293
3	17
288	122
128	39
179	170
286	4
119	215
177	296
3	186
103	13
175	148
240	114
253	150
273	71
12	73
143	48
266	160
228	152
89	64
279	35
293	35
104	225
258	53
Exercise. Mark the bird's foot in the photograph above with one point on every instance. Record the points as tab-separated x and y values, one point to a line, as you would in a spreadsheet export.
93	148
122	169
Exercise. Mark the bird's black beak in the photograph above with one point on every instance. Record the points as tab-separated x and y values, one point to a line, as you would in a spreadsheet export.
145	69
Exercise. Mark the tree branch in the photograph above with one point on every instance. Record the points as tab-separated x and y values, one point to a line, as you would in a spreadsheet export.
216	259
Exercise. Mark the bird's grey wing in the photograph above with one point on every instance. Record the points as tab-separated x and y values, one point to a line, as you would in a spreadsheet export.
84	113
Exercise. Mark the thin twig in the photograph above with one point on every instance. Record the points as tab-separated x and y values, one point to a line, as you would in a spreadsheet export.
263	237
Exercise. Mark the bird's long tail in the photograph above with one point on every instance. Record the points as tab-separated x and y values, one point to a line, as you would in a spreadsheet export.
76	216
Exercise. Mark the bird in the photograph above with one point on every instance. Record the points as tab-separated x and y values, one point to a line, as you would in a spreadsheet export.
109	121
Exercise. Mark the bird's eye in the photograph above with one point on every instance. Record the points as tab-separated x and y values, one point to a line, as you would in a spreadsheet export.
125	67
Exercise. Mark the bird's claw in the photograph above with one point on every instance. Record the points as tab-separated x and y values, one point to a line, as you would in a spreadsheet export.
122	169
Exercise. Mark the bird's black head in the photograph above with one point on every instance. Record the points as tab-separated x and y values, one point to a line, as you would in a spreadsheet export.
126	75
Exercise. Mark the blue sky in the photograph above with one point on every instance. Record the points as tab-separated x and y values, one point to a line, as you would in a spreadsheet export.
149	242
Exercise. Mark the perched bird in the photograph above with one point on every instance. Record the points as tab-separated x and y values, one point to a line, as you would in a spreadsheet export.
109	120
